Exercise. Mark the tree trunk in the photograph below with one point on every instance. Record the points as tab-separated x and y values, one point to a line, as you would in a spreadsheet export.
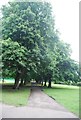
45	83
22	76
42	83
49	85
36	81
3	80
16	84
21	83
25	82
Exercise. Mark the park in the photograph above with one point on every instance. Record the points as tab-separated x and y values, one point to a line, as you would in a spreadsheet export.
37	71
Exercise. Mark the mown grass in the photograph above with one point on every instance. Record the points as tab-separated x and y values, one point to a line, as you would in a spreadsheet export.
68	96
17	97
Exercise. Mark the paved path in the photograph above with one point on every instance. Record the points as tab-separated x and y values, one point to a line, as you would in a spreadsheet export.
39	106
41	100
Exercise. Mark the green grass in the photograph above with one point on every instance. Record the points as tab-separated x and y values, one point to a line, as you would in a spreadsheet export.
17	97
68	96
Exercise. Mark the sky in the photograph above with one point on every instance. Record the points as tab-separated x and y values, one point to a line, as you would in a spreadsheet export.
66	14
67	22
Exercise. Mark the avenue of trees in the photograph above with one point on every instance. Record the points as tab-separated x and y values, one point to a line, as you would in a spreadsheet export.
31	48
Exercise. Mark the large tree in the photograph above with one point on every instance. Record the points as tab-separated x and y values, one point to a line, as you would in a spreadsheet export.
14	58
31	24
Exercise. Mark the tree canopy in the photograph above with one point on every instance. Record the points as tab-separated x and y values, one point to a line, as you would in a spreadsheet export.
31	45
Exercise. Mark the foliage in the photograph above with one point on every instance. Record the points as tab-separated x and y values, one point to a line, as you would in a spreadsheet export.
13	56
35	50
66	68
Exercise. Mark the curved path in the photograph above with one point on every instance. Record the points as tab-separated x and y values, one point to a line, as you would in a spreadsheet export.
40	105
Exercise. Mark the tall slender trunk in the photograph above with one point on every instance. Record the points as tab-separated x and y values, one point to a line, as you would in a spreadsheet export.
49	85
25	82
42	83
22	76
21	83
16	84
45	83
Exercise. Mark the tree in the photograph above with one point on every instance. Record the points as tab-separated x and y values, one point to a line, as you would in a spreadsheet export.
66	68
14	58
30	24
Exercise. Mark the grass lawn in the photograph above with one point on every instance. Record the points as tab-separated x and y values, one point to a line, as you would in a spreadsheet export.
68	96
17	97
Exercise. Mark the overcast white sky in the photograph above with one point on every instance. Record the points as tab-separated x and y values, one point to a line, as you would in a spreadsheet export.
67	22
